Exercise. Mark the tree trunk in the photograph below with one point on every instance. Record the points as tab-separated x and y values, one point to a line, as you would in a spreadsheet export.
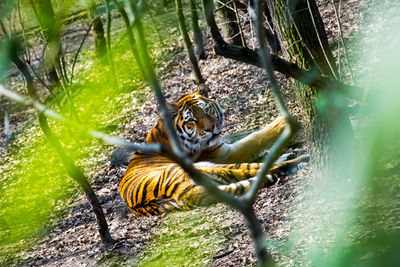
98	33
46	17
229	26
303	38
99	39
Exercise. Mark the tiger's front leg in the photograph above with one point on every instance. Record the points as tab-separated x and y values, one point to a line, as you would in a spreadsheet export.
250	146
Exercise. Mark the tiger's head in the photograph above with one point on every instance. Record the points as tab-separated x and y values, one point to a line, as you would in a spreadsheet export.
198	121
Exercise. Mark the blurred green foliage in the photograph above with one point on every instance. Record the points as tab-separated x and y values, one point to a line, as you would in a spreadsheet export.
34	185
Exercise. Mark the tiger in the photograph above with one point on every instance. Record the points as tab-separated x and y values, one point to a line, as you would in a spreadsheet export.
153	184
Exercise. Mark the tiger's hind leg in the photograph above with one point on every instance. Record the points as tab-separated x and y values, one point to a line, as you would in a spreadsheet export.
199	196
237	178
231	173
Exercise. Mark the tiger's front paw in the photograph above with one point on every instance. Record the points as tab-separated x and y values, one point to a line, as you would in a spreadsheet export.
278	124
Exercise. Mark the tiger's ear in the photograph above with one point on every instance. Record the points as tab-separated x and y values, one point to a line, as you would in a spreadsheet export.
202	89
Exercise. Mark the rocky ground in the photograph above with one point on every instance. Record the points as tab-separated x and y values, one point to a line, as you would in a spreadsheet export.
247	102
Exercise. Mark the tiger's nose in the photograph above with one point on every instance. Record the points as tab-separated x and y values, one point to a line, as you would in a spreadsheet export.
208	126
208	130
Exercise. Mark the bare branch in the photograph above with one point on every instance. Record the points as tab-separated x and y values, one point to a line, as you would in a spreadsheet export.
328	61
308	77
246	55
239	24
187	43
79	50
198	36
176	155
131	37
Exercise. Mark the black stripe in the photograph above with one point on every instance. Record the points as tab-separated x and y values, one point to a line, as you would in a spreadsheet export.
144	191
157	127
136	198
174	189
168	172
156	189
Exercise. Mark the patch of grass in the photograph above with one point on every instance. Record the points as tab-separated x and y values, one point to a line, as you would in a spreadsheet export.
186	239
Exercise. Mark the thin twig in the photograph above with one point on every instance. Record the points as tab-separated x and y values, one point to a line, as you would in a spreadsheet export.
7	128
342	41
316	63
239	25
319	40
63	65
108	42
79	50
228	7
223	5
23	30
131	37
73	170
263	257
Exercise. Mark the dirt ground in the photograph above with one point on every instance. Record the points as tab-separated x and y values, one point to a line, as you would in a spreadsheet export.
241	91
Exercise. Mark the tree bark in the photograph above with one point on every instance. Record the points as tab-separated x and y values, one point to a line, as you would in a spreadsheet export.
301	32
